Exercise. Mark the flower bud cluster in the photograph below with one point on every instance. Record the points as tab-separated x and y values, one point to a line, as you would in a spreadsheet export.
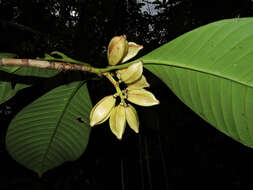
119	51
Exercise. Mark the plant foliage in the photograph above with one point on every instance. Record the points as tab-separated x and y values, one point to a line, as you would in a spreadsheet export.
211	70
51	130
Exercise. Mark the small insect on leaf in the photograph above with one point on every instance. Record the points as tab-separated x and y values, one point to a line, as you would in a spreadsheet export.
80	120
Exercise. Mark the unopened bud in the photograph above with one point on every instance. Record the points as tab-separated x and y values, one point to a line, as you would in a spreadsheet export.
142	97
118	121
132	118
133	50
131	73
101	111
117	49
139	84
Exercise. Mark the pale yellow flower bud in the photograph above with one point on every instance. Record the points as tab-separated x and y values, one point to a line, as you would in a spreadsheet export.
133	50
102	110
139	84
117	49
118	121
131	73
142	97
132	118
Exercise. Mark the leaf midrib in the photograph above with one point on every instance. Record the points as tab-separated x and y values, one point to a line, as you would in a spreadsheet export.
59	121
176	65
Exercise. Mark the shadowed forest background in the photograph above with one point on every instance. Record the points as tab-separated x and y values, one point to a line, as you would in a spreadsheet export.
175	149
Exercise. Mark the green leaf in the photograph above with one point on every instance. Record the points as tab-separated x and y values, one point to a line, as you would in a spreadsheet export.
7	90
7	55
211	70
51	130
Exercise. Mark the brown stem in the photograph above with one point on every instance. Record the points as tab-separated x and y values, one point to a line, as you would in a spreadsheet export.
47	65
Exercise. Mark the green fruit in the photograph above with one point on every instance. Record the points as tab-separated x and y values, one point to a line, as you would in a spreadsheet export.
142	97
133	50
132	118
118	121
139	84
102	110
131	73
117	49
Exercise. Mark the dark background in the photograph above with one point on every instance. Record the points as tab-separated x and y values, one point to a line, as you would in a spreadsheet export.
175	149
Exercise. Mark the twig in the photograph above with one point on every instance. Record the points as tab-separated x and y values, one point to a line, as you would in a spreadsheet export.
60	65
47	65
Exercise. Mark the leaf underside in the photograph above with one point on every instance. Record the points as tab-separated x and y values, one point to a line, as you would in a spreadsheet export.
211	70
8	90
52	129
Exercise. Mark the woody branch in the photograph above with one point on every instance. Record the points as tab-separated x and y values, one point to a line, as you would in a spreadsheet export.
47	65
59	65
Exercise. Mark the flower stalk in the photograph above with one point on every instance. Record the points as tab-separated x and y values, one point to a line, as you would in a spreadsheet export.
116	85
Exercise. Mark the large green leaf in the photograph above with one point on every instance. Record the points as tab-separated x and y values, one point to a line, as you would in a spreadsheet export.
211	70
7	90
52	129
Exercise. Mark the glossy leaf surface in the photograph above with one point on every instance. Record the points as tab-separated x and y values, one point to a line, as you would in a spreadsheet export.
211	70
